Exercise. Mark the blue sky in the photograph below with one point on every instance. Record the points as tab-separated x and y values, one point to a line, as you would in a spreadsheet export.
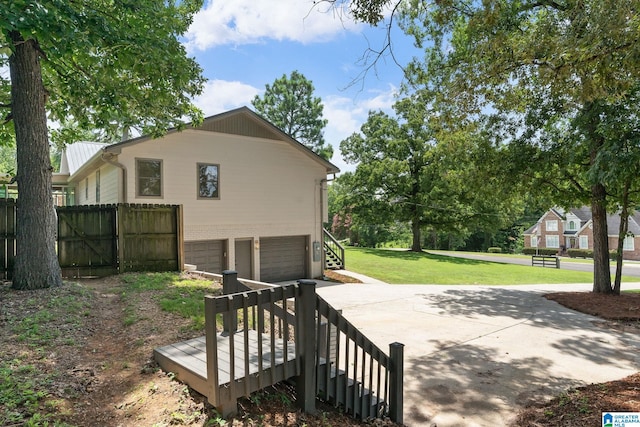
243	45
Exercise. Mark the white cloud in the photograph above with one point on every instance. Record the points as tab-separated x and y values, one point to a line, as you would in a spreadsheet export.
346	116
252	21
219	96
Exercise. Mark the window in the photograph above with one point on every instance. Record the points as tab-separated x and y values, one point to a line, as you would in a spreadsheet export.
584	242
552	225
86	189
572	225
98	186
628	244
208	181
149	178
553	242
534	241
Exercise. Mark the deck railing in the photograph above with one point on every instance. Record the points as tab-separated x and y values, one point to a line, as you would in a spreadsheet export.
283	332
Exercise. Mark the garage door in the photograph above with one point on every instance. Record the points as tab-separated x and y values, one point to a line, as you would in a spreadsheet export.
208	255
283	258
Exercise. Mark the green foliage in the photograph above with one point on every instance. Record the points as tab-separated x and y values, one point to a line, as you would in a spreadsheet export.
110	66
290	105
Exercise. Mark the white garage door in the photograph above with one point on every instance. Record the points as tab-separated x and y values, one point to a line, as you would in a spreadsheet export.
283	258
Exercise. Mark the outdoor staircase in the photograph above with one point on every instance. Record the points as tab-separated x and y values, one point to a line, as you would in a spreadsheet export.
333	252
292	334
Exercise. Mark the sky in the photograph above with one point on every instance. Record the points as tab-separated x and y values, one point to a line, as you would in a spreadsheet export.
243	45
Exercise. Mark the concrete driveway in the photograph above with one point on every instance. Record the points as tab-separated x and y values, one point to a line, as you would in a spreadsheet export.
474	355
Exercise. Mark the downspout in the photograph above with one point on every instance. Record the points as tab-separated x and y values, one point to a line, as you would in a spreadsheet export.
109	158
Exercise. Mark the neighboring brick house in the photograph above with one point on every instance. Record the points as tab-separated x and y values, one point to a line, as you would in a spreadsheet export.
573	229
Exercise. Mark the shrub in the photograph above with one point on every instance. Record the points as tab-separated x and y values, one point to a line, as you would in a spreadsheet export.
580	253
540	251
494	250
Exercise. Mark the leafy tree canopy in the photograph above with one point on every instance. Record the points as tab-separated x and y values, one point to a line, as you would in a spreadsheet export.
290	105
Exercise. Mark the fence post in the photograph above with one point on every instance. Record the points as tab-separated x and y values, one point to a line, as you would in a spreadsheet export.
306	381
229	286
396	382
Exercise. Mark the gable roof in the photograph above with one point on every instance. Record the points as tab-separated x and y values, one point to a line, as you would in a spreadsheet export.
77	154
241	121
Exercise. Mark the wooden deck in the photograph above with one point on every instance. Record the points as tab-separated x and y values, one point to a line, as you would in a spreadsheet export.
188	360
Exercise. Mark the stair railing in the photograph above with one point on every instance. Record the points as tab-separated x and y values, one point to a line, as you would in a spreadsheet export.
333	359
333	249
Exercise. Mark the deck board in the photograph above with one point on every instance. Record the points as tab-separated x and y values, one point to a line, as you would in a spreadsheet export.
188	359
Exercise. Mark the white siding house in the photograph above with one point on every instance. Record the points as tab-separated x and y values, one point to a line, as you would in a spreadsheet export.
253	198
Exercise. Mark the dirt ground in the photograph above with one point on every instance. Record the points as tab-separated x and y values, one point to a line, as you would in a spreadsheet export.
98	371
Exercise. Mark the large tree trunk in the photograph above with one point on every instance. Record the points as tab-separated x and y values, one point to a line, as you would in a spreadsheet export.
601	265
416	246
36	265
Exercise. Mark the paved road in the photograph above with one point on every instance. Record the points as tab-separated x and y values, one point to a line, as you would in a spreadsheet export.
629	268
475	354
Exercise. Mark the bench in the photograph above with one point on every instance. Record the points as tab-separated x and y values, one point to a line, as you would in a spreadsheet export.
545	261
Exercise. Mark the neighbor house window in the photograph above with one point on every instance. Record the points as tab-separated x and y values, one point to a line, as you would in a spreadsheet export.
584	242
149	178
553	241
208	181
628	244
98	186
552	225
572	225
534	241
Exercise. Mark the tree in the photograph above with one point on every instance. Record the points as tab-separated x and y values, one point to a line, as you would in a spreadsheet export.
100	64
410	170
290	105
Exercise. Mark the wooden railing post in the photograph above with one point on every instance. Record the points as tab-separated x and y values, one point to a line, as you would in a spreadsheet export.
229	286
306	381
396	382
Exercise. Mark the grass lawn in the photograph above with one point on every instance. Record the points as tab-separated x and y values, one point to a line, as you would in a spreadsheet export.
394	266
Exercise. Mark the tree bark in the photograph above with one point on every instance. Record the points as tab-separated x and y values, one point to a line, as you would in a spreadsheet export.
36	265
601	264
416	246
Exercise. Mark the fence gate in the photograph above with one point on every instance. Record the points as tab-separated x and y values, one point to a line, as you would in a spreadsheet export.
7	237
101	240
150	237
87	240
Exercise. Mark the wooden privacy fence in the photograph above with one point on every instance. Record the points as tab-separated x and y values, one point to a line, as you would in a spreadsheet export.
7	237
99	240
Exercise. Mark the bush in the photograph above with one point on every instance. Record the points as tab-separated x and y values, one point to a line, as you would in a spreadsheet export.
580	253
540	251
494	250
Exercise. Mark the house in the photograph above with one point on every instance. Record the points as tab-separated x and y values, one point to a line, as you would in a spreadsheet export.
573	229
253	198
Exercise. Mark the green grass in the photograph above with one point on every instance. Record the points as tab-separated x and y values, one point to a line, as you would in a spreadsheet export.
173	292
393	266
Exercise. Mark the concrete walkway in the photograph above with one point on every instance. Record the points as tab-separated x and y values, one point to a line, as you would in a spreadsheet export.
475	354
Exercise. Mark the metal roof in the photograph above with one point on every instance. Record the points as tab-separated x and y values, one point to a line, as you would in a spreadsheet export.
77	154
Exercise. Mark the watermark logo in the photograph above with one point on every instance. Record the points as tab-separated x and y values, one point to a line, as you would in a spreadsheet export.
621	419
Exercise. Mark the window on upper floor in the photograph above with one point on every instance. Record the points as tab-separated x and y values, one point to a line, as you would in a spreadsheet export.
552	241
551	225
148	178
208	181
572	225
